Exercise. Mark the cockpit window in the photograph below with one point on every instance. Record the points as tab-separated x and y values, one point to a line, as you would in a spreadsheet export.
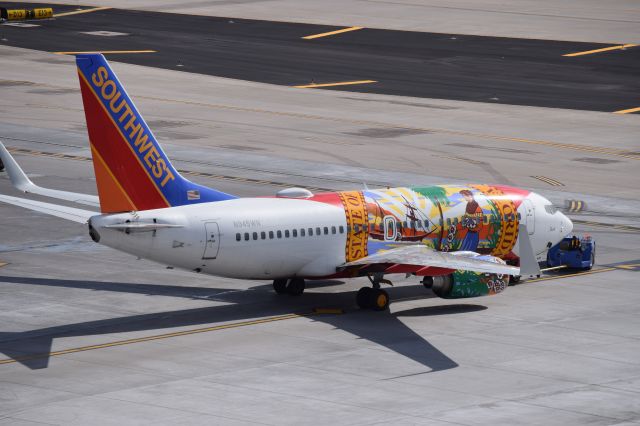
550	208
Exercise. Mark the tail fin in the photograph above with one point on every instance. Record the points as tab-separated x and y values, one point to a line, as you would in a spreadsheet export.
132	171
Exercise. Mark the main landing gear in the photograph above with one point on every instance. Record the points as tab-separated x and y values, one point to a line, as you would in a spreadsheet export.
293	286
374	298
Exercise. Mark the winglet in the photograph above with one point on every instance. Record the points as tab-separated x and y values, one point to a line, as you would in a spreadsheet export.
18	177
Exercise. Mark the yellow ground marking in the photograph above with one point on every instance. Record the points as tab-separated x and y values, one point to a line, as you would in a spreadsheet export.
577	274
3	264
330	33
106	52
605	49
466	160
630	267
340	83
78	12
548	180
575	206
627	111
155	337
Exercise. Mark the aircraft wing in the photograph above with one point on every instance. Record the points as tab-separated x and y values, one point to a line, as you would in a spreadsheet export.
421	256
21	182
69	213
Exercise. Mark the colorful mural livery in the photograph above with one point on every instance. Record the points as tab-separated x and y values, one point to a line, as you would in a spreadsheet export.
479	218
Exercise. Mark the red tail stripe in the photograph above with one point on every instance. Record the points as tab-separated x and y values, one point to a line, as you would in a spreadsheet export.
116	152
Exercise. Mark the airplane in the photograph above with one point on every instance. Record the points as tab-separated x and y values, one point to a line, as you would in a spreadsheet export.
461	240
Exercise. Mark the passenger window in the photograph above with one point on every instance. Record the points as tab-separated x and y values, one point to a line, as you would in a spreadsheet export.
295	233
448	221
255	235
302	232
326	230
286	233
333	229
246	236
238	237
356	229
279	234
311	232
341	229
271	235
263	235
318	232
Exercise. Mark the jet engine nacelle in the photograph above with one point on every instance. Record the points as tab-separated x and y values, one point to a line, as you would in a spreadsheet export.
461	284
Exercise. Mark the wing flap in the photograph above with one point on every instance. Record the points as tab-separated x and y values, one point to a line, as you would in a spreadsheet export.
425	257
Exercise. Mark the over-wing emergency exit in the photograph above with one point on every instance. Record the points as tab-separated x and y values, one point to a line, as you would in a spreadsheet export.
459	240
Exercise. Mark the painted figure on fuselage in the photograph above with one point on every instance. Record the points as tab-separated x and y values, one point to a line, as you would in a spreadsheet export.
471	221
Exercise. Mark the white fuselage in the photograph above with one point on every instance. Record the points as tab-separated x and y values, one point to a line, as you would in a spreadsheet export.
266	238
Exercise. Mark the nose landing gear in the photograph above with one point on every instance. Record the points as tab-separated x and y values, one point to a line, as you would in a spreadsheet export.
374	297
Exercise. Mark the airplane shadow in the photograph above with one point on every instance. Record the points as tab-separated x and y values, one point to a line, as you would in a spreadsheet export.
32	348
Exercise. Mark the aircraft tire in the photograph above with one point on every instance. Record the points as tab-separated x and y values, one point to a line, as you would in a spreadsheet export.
379	300
363	297
280	286
296	286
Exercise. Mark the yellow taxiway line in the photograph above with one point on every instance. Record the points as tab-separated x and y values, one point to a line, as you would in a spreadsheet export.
604	49
105	52
330	33
627	111
154	337
78	12
3	264
340	83
577	274
550	181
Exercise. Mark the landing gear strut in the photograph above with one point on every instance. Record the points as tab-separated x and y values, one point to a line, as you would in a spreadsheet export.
294	286
373	298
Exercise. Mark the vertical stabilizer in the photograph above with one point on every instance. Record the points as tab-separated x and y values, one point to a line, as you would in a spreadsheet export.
132	171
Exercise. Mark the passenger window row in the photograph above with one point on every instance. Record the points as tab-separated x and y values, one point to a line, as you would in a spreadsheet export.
290	233
326	230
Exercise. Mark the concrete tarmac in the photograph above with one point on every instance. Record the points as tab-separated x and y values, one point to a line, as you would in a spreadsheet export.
590	21
496	70
90	335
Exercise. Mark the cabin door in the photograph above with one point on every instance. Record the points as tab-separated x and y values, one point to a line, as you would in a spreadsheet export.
212	242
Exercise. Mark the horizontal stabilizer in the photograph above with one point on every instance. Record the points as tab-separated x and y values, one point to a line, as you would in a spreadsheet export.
21	182
421	255
69	213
